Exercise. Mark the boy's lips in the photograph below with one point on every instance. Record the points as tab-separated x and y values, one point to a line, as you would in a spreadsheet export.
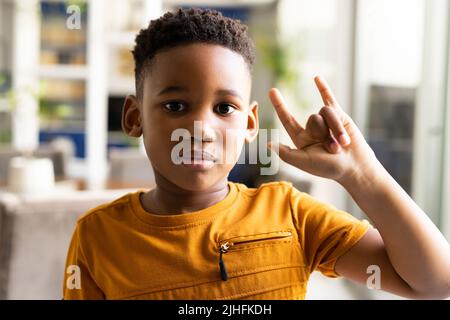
199	159
199	155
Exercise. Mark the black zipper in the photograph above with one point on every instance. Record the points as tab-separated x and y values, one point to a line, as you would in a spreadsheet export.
226	245
223	270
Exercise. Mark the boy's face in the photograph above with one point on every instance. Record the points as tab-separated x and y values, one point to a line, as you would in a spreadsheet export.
186	84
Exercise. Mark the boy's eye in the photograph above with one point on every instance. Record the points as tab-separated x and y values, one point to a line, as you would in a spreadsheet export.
174	106
225	108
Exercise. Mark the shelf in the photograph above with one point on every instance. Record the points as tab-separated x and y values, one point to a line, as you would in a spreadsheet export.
67	72
73	69
62	91
75	128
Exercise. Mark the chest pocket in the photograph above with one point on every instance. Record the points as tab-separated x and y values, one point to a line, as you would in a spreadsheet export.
253	265
252	253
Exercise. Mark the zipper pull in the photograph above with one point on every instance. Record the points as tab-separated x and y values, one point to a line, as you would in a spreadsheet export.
223	271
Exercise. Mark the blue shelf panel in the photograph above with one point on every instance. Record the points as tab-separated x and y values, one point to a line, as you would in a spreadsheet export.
78	138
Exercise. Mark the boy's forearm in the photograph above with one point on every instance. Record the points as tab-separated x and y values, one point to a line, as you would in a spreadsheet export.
418	251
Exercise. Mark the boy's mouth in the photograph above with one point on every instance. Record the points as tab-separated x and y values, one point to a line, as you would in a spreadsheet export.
199	159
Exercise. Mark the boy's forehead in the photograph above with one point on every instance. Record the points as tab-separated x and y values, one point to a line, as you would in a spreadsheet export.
199	64
200	51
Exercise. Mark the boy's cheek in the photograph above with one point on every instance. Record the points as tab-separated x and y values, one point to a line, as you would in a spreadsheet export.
231	149
157	148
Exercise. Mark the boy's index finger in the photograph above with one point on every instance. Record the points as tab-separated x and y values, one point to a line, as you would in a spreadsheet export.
325	92
292	126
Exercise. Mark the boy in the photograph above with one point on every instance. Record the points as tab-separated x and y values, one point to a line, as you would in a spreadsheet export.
198	236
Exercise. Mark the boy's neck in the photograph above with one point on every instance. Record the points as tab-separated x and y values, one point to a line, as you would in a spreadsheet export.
169	199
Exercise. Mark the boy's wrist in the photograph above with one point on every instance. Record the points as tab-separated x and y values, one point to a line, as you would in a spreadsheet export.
364	176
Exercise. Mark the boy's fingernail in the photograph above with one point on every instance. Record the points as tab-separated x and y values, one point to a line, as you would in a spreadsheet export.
344	139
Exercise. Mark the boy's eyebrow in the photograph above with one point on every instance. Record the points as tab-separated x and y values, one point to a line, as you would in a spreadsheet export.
222	92
171	89
230	92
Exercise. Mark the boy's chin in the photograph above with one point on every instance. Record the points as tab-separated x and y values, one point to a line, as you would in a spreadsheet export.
198	182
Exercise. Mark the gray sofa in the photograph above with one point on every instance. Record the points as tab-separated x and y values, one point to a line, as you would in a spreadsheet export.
34	237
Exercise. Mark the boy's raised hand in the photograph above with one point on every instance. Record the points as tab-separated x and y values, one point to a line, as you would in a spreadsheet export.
331	145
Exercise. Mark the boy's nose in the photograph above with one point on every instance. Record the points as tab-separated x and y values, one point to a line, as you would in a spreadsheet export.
202	126
204	132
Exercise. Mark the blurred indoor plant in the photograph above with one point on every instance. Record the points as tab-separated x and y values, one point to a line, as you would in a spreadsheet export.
5	111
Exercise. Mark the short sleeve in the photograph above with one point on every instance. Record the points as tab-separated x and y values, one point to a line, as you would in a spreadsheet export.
78	282
325	233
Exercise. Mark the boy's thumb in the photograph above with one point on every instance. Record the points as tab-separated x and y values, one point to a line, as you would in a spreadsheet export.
289	155
279	148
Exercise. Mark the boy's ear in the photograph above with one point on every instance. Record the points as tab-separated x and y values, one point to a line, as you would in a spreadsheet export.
131	117
252	122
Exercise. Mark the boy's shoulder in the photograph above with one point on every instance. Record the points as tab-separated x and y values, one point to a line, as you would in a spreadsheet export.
99	211
282	187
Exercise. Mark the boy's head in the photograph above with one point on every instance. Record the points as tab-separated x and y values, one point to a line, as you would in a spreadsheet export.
193	67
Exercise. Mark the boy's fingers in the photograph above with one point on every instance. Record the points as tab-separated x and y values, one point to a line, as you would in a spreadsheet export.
292	126
319	130
332	145
335	124
317	127
325	92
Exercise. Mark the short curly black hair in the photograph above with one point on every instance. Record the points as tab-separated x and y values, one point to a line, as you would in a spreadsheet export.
186	26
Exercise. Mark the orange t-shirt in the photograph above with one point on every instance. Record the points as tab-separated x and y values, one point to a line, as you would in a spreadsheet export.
255	244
